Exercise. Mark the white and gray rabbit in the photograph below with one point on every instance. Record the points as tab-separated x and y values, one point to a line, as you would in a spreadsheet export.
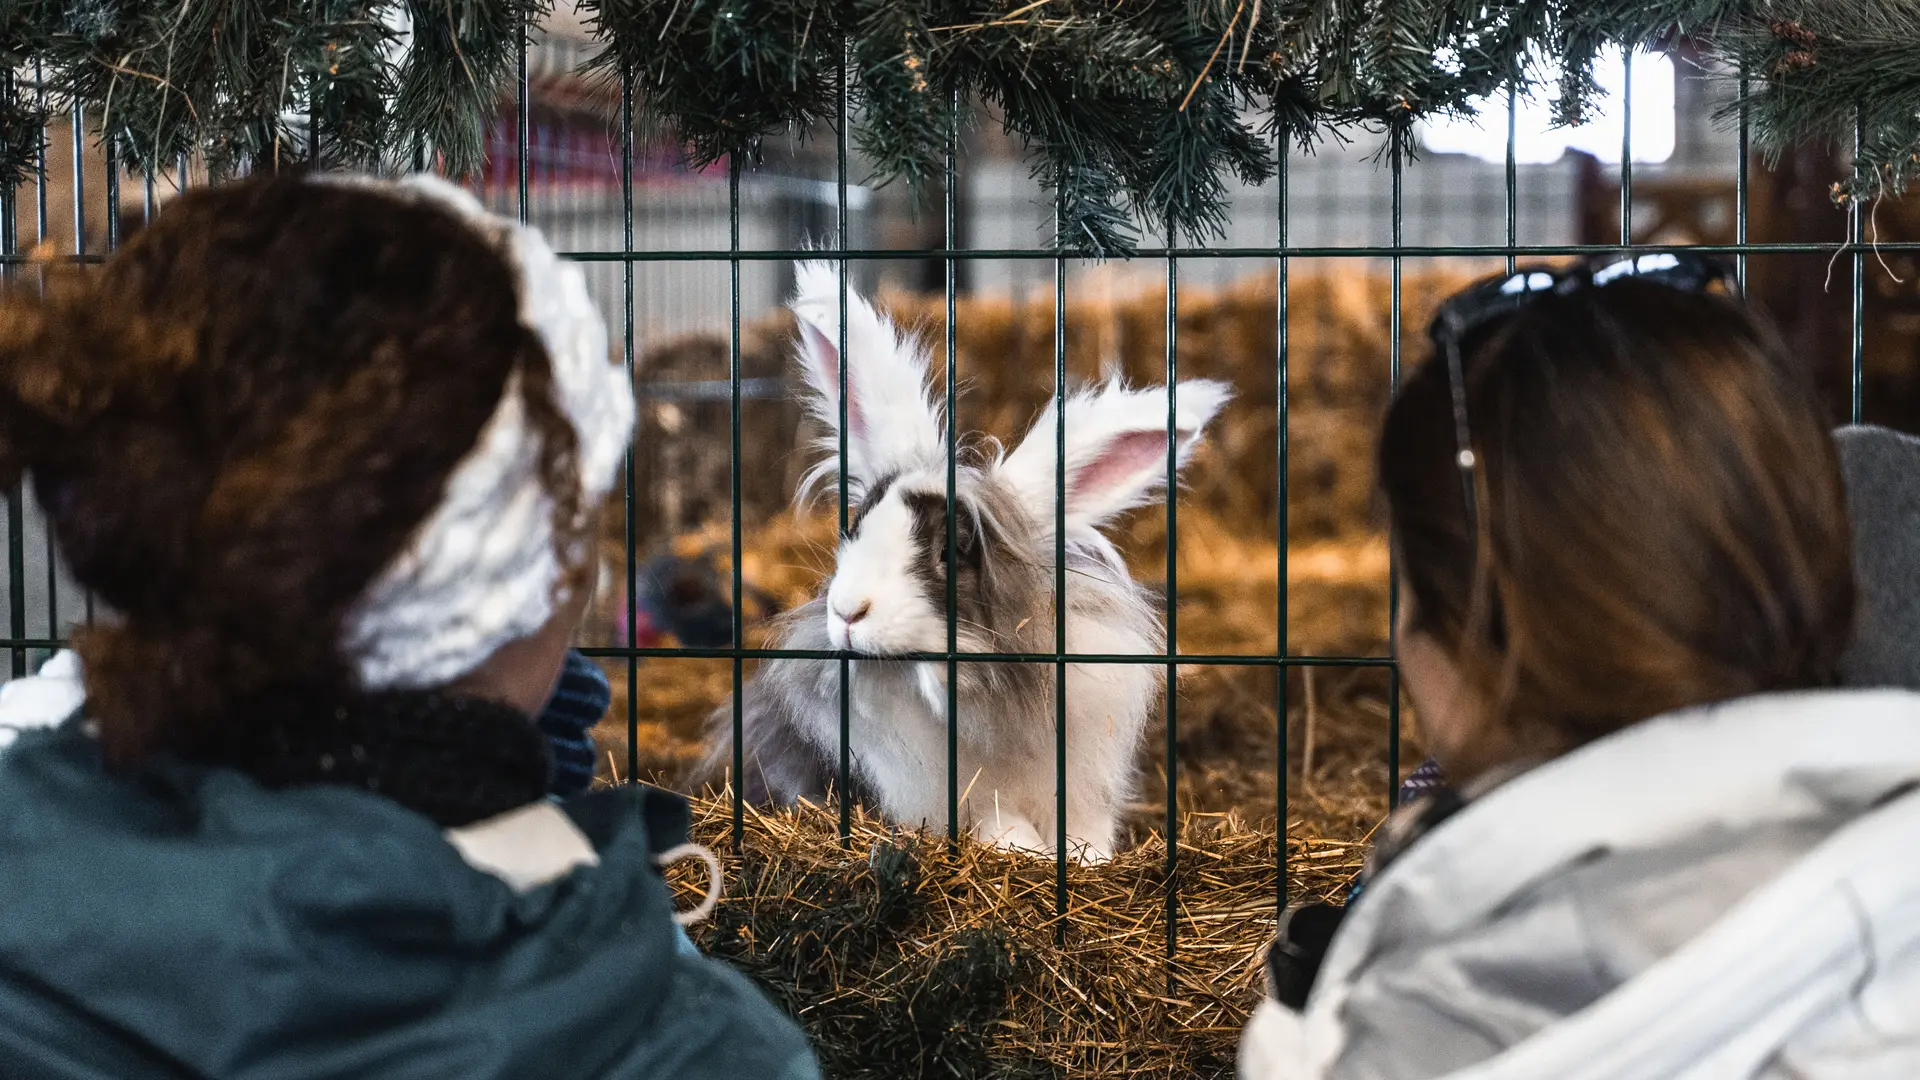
888	597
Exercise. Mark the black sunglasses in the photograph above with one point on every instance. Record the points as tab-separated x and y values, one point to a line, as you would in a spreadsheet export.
1477	306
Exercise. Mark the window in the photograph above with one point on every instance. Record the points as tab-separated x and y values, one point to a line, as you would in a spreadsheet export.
1537	142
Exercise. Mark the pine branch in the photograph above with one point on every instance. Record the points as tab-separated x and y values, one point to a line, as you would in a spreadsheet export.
27	30
1129	112
347	82
725	74
1821	69
905	129
461	65
220	78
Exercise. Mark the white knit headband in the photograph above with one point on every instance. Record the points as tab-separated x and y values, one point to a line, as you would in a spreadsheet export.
483	570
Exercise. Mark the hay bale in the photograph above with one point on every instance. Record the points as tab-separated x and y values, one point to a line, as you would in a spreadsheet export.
1337	380
1338	329
683	449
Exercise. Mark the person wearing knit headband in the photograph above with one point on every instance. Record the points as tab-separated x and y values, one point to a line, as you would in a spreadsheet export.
330	450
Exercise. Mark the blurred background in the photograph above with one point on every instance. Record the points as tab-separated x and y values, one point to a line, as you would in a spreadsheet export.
1278	546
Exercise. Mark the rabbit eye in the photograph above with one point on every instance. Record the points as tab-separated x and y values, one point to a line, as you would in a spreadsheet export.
930	531
967	538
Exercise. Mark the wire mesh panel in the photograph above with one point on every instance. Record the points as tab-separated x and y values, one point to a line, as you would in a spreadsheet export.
674	253
1513	218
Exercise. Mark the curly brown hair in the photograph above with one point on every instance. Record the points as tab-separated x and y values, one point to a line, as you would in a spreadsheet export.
238	421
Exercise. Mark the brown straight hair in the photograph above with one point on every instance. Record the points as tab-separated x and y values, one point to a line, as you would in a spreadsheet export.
1661	524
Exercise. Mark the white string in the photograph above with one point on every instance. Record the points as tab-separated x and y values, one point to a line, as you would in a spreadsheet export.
1873	237
707	903
1853	211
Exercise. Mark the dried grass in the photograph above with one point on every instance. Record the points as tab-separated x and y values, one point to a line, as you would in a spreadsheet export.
1339	335
905	957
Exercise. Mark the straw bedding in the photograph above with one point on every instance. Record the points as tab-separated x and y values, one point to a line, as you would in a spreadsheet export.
903	959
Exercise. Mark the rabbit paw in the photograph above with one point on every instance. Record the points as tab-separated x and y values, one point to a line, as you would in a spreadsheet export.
1089	854
1011	832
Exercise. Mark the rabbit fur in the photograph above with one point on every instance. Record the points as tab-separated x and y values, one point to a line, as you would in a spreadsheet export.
888	598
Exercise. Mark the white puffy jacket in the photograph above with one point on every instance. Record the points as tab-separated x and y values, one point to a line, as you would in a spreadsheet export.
42	700
1724	893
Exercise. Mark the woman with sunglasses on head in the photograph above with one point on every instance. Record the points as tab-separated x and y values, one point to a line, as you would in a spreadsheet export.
1669	846
331	450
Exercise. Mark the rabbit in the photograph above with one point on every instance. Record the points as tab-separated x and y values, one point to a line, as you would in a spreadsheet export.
888	597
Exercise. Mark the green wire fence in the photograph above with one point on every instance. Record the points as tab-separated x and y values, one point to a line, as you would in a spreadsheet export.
23	226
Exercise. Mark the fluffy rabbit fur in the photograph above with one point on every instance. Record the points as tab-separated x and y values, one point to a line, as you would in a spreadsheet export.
888	597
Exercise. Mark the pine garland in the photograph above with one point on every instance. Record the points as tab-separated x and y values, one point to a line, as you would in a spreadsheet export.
1137	111
462	61
1831	70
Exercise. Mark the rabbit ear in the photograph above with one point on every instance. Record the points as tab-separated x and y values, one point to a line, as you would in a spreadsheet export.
891	422
1116	450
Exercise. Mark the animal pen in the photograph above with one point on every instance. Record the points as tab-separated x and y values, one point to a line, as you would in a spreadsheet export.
1282	735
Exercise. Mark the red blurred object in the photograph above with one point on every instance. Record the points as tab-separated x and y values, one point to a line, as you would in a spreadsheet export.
645	634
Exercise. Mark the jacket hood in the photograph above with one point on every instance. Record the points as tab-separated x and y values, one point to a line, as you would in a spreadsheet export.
182	921
1827	941
1882	470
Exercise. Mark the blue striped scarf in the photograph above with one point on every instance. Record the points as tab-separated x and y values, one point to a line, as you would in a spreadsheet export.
578	703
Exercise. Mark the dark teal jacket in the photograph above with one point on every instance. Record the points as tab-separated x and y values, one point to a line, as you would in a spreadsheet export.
182	922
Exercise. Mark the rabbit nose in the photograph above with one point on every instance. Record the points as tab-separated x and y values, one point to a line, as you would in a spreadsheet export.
854	616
